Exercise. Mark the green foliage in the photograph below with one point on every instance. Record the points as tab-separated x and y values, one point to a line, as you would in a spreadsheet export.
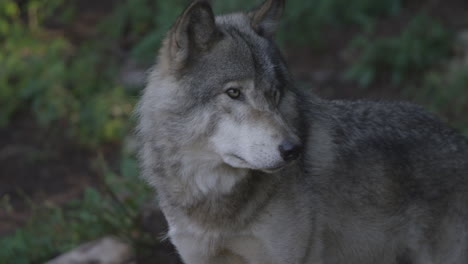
144	23
305	21
24	55
44	73
52	230
445	93
423	44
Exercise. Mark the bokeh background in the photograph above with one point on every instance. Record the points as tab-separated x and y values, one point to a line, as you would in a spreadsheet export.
72	70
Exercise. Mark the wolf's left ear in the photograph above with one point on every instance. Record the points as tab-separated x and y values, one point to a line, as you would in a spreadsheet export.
265	18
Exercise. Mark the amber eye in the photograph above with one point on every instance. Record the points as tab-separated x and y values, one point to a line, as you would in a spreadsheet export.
234	93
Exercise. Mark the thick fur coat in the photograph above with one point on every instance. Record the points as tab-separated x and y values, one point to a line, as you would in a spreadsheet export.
249	169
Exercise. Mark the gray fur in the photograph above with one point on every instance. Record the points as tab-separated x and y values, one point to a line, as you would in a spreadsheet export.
377	182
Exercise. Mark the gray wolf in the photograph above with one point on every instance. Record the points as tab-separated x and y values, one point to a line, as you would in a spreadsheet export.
250	169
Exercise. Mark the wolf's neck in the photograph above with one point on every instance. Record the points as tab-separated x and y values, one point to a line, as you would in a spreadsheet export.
208	175
195	175
208	191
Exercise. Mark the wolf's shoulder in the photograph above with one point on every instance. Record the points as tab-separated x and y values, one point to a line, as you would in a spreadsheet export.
390	126
376	111
365	145
388	116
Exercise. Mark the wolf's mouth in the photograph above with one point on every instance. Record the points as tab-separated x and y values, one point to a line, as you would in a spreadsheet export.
239	158
238	162
274	169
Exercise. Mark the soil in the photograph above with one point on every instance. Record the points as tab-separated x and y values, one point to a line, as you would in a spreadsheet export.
38	165
44	164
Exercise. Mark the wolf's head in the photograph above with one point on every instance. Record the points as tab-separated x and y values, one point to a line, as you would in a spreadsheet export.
222	87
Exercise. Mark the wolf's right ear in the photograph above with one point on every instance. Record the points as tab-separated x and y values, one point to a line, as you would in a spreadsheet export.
194	30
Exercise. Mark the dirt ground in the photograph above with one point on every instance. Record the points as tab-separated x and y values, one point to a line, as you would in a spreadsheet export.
38	165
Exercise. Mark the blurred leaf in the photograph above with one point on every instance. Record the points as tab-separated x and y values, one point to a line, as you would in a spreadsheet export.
423	44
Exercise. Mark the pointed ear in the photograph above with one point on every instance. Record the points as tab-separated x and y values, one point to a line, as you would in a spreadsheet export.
194	30
265	18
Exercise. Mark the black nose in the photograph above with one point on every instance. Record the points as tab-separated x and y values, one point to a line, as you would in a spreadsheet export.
289	151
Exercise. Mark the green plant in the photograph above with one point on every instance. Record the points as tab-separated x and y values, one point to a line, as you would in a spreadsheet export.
445	93
305	21
44	73
52	229
423	44
141	25
144	23
30	60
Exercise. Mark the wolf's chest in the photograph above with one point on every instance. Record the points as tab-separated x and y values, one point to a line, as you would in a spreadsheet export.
206	246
